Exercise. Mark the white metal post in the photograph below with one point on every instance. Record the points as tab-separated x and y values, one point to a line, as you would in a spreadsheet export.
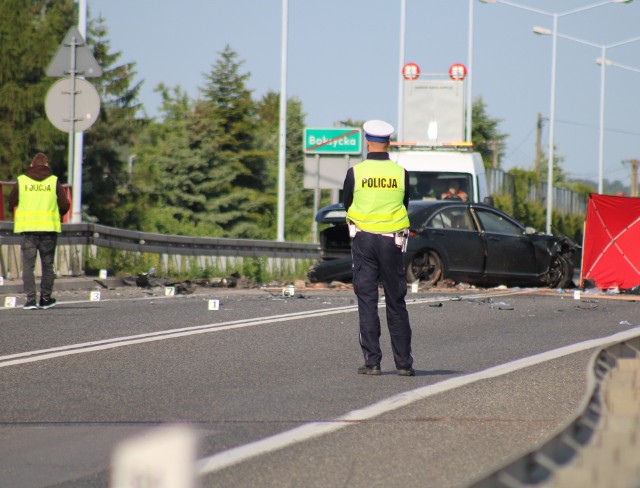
76	203
552	123
403	16
603	50
72	109
601	145
553	83
469	73
282	153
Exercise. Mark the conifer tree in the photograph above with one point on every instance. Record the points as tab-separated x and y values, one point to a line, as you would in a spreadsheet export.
298	200
170	175
485	135
107	143
30	33
225	136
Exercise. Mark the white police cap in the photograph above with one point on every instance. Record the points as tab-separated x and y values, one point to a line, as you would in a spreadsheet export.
378	130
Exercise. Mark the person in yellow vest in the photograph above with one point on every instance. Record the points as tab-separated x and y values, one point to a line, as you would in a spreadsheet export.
39	202
376	197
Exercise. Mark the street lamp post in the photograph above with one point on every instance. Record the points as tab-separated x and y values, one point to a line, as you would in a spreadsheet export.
603	49
403	21
555	16
634	176
468	137
282	130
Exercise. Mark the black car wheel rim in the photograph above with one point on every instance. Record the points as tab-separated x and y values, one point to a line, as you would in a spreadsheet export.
426	267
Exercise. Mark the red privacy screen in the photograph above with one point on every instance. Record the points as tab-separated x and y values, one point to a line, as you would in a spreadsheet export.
611	251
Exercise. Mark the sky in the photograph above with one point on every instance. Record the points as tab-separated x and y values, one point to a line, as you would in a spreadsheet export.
344	62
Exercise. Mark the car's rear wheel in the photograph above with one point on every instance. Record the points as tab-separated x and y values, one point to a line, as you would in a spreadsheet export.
561	273
425	267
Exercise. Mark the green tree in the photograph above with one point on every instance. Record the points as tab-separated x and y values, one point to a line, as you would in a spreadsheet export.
199	170
524	210
168	173
225	136
105	173
30	33
298	216
485	135
559	176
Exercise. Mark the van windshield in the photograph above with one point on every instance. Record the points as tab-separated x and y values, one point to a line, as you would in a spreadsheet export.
425	185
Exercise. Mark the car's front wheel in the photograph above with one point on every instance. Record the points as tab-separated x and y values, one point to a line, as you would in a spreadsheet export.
561	273
426	267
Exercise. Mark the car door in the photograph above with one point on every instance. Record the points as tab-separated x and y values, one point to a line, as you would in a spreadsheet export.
510	252
454	230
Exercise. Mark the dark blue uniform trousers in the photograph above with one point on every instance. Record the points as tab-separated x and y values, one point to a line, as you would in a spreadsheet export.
376	257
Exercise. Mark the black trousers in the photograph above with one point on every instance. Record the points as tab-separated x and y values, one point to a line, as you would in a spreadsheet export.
377	258
43	243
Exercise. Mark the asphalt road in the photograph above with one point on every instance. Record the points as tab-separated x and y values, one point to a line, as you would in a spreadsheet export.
265	371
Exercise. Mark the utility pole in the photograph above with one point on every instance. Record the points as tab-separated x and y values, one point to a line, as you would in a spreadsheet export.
494	149
538	161
634	175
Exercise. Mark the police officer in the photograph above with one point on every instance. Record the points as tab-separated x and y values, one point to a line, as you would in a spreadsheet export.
376	196
39	201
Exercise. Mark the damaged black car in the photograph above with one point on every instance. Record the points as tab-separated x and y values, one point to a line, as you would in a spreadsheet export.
460	241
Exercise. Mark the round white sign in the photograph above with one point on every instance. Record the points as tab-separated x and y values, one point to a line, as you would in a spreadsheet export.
57	105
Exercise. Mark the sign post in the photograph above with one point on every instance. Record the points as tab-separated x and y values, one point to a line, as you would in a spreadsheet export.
73	59
328	154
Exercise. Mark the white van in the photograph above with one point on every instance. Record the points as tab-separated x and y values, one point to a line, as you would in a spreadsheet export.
433	171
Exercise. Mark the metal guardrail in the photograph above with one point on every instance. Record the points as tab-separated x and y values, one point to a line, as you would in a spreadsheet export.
541	465
128	240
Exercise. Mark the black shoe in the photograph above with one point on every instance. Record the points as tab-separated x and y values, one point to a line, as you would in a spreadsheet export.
30	305
370	370
47	302
407	372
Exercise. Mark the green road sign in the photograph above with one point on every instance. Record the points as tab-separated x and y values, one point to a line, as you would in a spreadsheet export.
343	140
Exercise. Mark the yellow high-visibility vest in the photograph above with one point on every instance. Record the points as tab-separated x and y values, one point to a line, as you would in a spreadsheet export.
37	209
378	197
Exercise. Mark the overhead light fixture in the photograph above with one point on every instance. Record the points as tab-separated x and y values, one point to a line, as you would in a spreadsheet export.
542	31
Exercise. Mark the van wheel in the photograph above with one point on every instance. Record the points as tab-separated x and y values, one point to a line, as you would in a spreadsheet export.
425	267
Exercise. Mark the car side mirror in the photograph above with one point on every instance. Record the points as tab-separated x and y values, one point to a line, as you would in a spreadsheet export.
529	231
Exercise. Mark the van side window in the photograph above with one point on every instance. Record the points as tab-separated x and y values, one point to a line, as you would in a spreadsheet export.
437	185
421	186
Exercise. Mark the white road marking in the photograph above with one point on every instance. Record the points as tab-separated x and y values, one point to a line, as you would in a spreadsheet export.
101	345
316	429
104	344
